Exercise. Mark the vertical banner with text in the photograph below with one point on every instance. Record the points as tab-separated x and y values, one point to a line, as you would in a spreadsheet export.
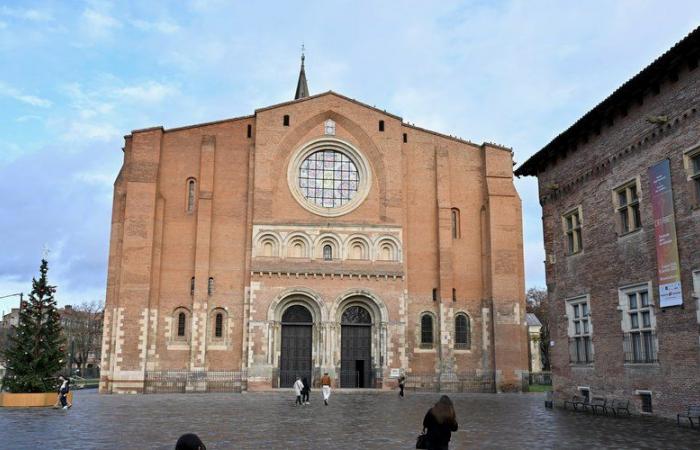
670	293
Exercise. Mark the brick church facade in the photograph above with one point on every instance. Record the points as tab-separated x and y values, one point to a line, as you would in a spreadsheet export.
317	235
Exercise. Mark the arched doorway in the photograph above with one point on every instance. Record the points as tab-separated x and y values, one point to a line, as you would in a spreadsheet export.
356	348
295	356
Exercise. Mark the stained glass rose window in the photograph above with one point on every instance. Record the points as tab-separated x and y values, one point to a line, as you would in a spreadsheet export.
328	178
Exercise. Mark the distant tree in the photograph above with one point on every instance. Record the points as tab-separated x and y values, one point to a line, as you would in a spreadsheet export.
82	328
537	304
35	352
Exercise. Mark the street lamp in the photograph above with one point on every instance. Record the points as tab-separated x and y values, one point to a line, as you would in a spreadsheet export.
18	294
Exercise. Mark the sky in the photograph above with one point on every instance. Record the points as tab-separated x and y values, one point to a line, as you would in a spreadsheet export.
76	76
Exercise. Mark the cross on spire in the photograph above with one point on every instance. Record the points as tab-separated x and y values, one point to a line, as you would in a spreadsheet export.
302	86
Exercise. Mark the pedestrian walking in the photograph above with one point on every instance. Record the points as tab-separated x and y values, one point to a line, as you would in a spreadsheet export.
326	387
439	422
305	391
402	384
298	387
190	441
63	391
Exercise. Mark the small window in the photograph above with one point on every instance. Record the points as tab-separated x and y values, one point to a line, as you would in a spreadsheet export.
192	286
627	208
181	324
405	138
219	325
586	394
435	296
285	120
381	125
462	332
329	127
692	159
191	194
580	331
426	331
454	294
327	252
646	402
210	286
455	223
250	131
572	230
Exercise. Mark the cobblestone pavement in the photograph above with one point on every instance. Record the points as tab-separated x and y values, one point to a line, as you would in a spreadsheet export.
377	420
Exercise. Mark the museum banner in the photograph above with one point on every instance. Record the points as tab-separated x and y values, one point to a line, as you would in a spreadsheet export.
670	293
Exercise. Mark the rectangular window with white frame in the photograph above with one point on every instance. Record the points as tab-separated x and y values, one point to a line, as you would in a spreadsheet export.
691	161
580	330
638	324
572	222
626	202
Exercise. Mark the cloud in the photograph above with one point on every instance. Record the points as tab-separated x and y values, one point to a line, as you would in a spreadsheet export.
161	26
79	131
150	91
12	92
33	15
98	24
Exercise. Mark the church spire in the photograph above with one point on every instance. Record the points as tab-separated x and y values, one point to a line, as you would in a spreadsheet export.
302	87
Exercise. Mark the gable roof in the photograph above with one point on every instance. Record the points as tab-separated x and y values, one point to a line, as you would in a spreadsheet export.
685	52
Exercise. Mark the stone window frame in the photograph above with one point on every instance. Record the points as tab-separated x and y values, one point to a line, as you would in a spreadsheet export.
191	195
296	238
575	334
626	316
268	238
426	346
631	209
328	239
467	346
366	247
690	156
174	336
223	340
576	230
394	245
333	144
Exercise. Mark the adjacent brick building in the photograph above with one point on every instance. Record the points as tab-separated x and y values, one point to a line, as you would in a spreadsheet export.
615	331
317	235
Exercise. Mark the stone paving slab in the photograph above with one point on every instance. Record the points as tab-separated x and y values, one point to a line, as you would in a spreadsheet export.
376	420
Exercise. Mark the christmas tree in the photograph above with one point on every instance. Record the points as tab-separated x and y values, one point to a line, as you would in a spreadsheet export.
35	352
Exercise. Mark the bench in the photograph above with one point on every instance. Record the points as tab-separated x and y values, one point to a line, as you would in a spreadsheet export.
597	402
577	401
692	412
619	405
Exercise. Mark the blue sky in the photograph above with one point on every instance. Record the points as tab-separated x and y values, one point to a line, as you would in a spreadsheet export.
76	76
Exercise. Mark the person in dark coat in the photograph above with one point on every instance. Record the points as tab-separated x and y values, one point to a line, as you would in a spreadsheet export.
439	422
190	441
402	384
305	391
63	391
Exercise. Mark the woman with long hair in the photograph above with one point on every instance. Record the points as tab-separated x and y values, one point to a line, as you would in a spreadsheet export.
439	422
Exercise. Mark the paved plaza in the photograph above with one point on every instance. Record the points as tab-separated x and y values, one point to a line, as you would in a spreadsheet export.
376	420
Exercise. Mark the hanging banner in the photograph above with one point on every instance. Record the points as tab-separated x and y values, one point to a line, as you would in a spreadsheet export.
669	270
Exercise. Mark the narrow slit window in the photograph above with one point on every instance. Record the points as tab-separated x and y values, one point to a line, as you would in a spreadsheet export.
181	324
250	131
210	286
455	223
426	331
219	325
454	294
192	286
434	294
381	125
191	194
405	138
285	120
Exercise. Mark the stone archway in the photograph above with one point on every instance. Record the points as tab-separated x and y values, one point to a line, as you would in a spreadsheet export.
359	338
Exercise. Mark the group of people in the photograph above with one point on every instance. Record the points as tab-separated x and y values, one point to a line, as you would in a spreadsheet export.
302	389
